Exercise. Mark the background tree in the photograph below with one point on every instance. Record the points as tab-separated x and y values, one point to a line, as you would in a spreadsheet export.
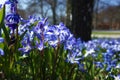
103	9
53	4
106	15
68	14
82	11
53	9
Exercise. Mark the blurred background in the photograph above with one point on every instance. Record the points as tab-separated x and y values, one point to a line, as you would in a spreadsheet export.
105	14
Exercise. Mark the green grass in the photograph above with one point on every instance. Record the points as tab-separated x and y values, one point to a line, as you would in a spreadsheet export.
106	32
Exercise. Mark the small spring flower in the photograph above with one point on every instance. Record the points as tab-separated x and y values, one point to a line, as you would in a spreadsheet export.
70	43
13	5
72	58
99	64
39	29
81	67
64	33
52	39
1	52
0	6
11	1
1	40
12	20
26	46
40	46
89	52
117	77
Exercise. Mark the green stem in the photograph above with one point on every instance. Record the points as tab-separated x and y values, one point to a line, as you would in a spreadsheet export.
71	72
55	62
33	65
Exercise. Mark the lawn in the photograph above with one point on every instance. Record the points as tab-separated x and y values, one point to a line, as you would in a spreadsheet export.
106	33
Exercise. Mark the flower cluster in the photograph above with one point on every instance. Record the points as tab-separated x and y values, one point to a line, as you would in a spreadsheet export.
104	52
45	34
61	52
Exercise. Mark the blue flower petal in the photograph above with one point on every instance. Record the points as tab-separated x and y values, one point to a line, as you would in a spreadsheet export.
1	40
1	52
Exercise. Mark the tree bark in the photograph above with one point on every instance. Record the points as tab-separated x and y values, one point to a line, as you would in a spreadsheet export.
54	5
82	11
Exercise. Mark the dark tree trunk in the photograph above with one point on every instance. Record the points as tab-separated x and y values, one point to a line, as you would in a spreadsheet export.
53	4
54	15
82	11
54	11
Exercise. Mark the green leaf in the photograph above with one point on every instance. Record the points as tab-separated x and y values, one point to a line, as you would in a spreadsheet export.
2	25
93	70
1	17
7	38
1	14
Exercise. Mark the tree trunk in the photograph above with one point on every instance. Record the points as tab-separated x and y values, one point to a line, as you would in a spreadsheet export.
96	14
54	11
82	11
54	15
53	4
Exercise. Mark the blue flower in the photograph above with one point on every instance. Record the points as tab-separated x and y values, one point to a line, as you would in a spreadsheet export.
108	69
26	45
64	33
114	63
40	28
26	24
70	42
13	4
56	34
38	31
1	40
117	77
52	40
12	20
72	58
89	52
11	1
51	36
26	48
107	57
81	67
40	46
93	44
99	64
0	6
30	35
1	52
32	19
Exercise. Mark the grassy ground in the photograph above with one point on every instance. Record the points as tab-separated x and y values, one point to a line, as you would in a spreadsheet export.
108	34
